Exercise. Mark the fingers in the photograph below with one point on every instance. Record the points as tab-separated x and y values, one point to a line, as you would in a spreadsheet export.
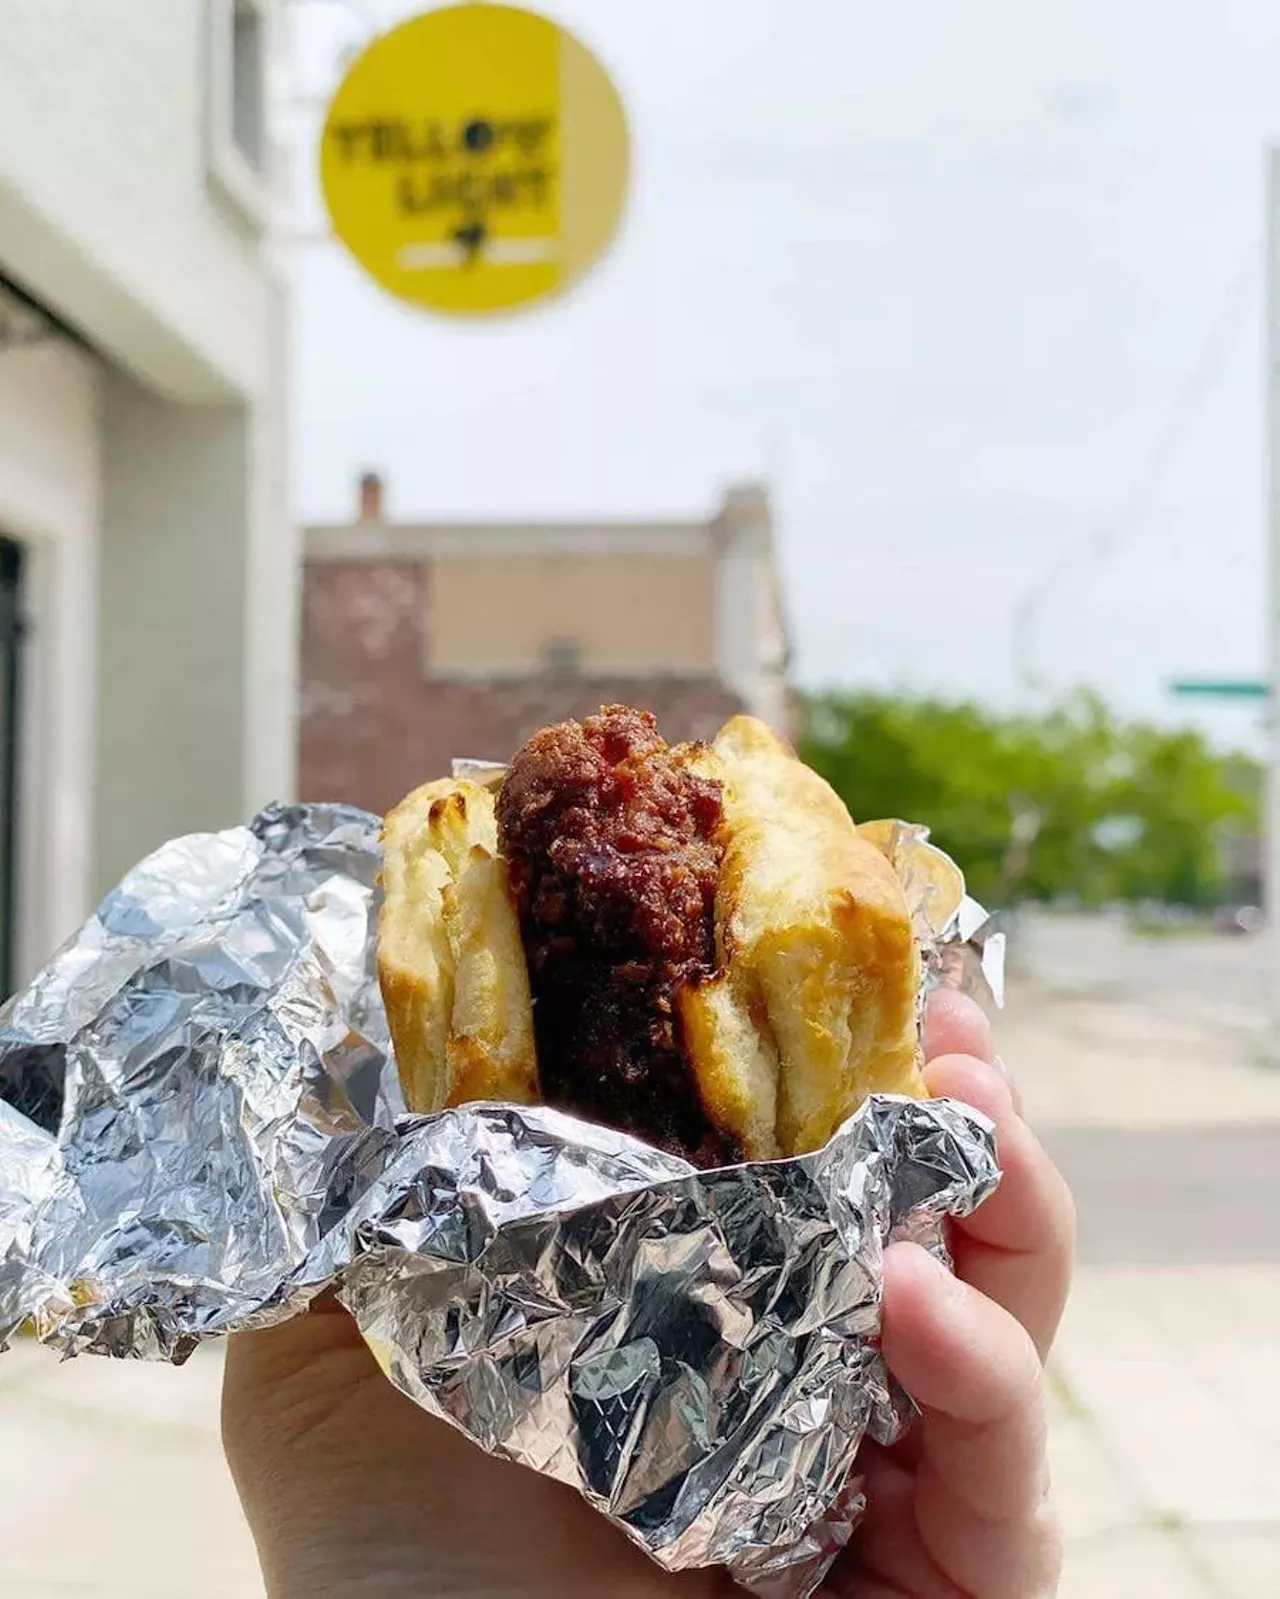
1019	1247
981	1479
888	1559
954	1024
973	1370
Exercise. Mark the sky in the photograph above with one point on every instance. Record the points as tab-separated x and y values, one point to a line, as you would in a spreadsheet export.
977	289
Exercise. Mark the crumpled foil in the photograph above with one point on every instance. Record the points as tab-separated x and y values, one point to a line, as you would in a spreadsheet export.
201	1129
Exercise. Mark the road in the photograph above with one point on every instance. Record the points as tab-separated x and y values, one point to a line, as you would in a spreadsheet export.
1203	977
1144	1069
1173	1196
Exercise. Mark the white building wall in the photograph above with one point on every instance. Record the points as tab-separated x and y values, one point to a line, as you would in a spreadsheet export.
172	622
165	563
50	500
106	208
273	587
198	620
751	645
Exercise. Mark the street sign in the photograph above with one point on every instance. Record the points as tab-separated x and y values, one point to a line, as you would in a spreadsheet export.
1225	689
475	159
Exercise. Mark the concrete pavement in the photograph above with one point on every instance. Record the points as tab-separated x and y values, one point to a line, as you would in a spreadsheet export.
1169	1196
1165	1440
1165	1433
112	1484
1165	1384
1186	974
1142	1066
1113	1061
1167	1474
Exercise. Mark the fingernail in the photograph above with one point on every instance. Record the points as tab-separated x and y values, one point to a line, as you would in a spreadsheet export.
944	1277
1014	1092
957	1291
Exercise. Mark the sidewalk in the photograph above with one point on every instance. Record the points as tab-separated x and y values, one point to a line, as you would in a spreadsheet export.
1165	1383
1104	1061
112	1484
1165	1433
1165	1380
1167	1475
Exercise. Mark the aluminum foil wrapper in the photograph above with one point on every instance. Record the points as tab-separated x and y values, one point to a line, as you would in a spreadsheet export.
201	1129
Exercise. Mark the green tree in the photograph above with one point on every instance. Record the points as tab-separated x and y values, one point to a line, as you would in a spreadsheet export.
1073	802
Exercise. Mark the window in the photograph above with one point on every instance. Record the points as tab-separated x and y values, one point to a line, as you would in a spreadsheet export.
239	147
248	91
561	657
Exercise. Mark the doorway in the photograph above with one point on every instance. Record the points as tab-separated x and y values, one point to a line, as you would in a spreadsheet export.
11	633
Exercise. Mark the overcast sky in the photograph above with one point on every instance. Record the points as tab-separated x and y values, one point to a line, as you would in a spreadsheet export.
977	287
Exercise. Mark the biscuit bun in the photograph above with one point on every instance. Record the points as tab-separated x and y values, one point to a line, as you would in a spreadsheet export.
694	944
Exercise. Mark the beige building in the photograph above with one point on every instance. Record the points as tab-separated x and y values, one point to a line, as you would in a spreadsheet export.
425	641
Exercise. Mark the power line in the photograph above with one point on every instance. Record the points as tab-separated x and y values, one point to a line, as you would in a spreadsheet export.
1113	533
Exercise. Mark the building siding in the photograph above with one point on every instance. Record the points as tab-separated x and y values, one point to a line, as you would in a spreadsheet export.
106	211
490	617
373	725
144	467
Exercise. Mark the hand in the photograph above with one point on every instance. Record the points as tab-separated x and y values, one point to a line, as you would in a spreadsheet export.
351	1490
958	1507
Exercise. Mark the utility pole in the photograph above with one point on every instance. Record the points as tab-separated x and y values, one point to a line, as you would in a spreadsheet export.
1022	632
1271	840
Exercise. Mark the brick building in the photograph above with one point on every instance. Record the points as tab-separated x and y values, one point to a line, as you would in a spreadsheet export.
426	641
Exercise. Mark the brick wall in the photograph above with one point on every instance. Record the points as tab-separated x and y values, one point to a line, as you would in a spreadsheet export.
373	725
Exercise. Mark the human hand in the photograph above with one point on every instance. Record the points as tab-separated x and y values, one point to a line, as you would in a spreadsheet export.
351	1490
959	1507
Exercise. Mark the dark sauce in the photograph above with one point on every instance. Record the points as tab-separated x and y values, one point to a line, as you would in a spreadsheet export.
610	840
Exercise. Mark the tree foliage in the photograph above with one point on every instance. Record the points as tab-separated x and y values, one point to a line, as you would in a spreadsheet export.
1075	802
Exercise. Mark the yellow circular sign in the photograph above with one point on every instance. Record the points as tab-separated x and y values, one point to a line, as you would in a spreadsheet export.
475	159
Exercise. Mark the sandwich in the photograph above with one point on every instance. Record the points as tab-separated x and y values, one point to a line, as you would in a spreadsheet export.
692	944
